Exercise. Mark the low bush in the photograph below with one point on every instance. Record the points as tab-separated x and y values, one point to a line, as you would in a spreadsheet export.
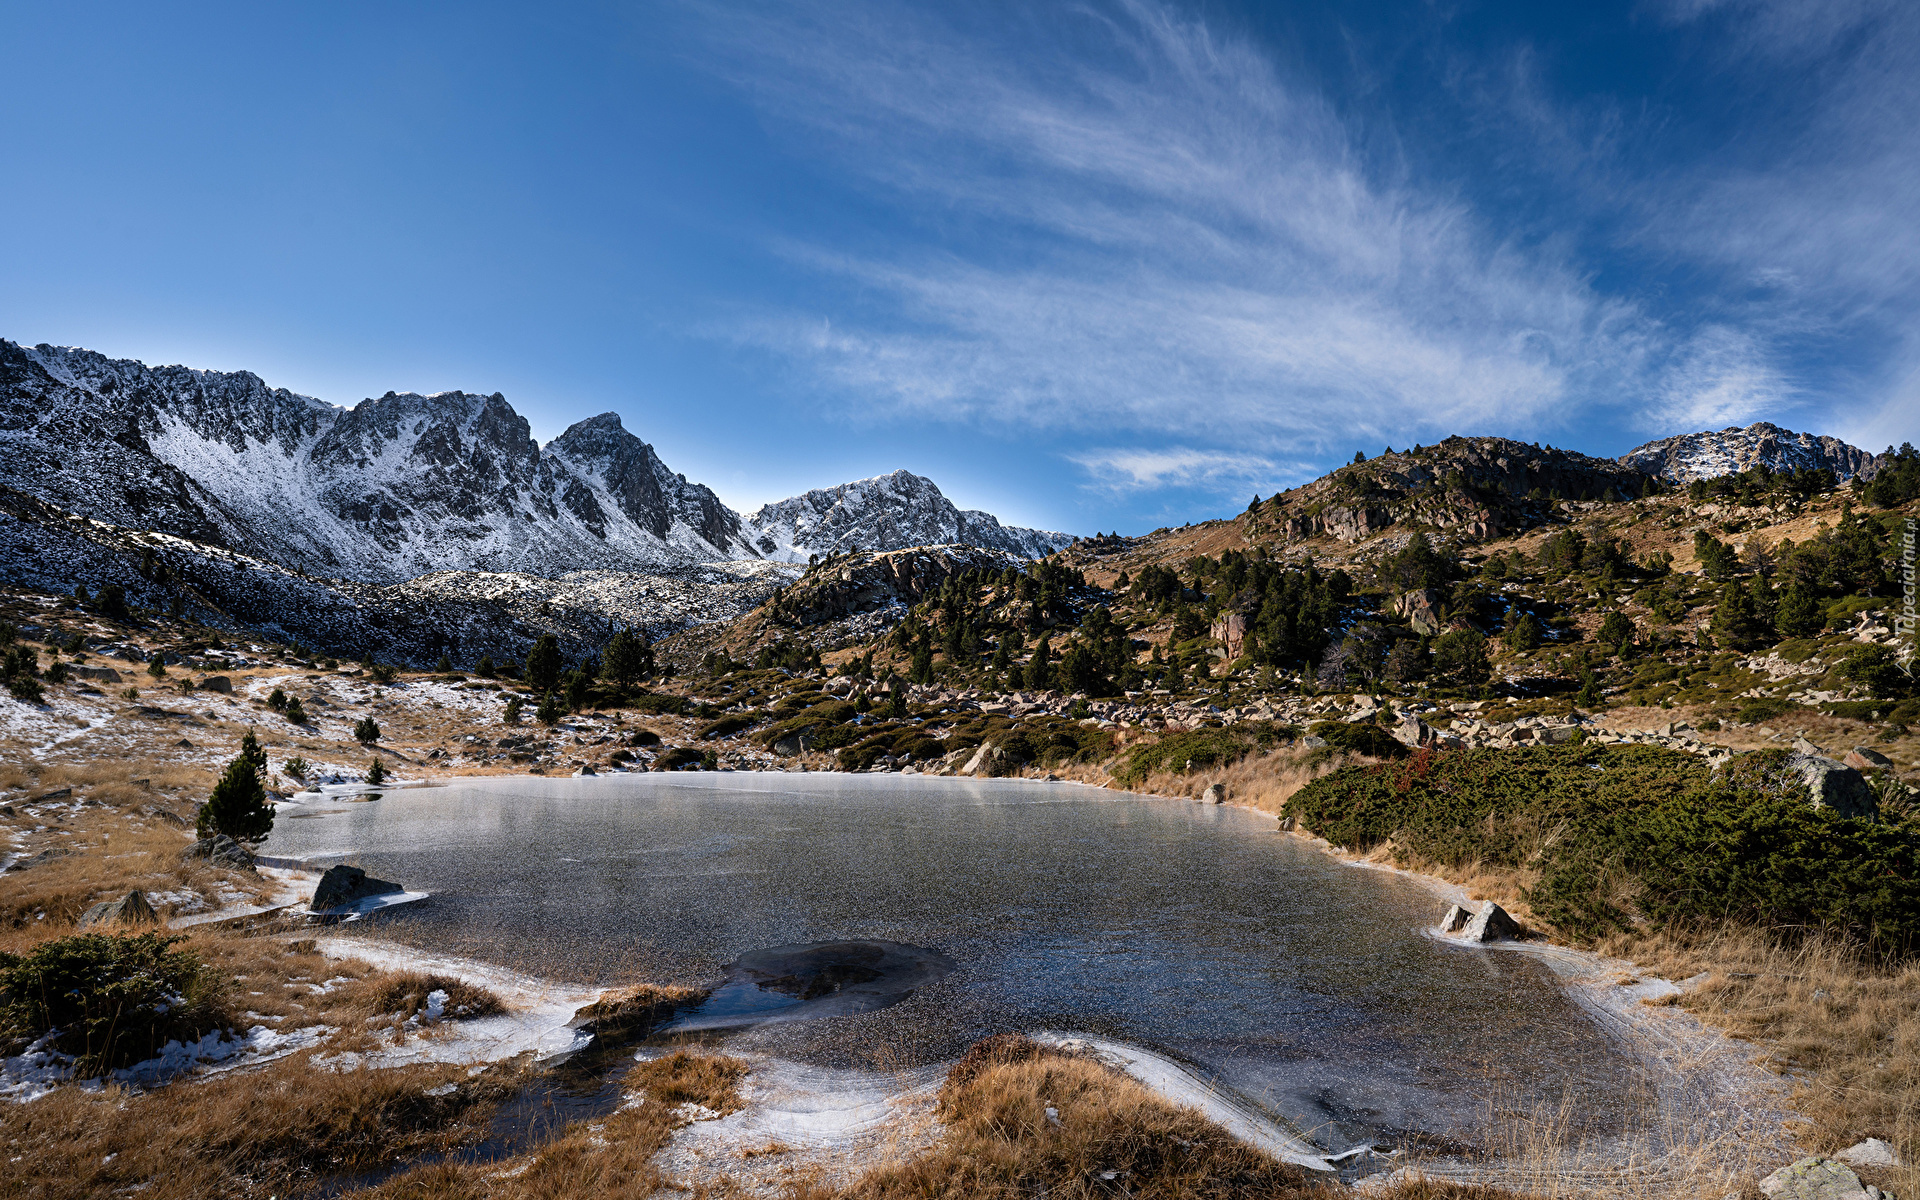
659	704
727	726
1608	834
1359	737
676	757
1764	708
114	999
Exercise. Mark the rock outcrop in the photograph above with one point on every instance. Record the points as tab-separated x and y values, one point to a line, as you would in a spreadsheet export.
1833	785
221	851
343	886
1490	924
130	909
1709	455
1473	488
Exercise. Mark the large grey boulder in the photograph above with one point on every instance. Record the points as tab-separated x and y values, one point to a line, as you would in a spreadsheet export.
798	742
1816	1179
1215	794
343	886
130	909
221	851
1834	785
1414	732
1490	924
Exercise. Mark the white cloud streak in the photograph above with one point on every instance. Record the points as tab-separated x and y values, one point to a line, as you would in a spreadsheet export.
1143	229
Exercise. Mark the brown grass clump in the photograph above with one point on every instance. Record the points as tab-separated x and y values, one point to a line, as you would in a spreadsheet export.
1844	1025
404	995
252	1133
638	1007
709	1080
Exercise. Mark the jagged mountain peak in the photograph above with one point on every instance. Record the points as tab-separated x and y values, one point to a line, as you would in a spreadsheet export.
884	512
1711	454
397	486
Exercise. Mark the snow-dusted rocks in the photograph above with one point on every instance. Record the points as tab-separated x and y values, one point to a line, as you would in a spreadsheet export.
887	512
1710	455
392	488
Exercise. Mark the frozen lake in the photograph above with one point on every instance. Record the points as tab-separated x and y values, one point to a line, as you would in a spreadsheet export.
1303	984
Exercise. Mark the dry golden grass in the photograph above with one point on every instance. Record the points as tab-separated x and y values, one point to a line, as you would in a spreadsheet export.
250	1134
1846	1028
404	994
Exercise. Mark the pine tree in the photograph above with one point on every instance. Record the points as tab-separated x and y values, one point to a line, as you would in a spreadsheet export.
1734	622
543	664
922	669
444	666
579	690
238	806
366	731
295	713
251	750
484	668
1616	628
1798	615
1589	695
157	665
1039	669
1523	632
550	711
377	773
625	658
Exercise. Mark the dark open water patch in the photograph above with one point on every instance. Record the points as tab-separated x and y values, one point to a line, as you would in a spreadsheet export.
1303	984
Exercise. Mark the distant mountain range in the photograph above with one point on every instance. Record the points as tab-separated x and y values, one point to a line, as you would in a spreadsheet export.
404	485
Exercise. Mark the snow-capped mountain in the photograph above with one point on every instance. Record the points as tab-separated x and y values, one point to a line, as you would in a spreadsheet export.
1709	455
887	512
390	489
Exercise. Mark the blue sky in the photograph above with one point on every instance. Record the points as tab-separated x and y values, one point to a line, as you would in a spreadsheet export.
1090	266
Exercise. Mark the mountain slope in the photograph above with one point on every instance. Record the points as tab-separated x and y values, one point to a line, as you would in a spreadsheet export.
1710	454
886	512
393	488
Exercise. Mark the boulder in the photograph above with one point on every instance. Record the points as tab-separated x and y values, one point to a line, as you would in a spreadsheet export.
792	744
1834	785
1871	1153
221	851
344	885
1802	746
217	683
1490	924
1414	732
1422	609
1313	742
97	674
130	909
1814	1179
1215	794
1865	758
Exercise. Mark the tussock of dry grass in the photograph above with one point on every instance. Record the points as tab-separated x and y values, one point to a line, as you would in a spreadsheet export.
404	994
637	1007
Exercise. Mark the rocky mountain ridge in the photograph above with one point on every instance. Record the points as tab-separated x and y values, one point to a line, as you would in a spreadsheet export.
404	484
1710	454
392	488
1474	488
886	512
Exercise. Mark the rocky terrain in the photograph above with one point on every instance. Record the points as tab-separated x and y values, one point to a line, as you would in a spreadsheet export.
1477	488
887	512
466	614
1709	455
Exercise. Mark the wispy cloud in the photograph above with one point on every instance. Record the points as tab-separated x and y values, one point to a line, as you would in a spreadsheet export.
1127	224
1119	471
